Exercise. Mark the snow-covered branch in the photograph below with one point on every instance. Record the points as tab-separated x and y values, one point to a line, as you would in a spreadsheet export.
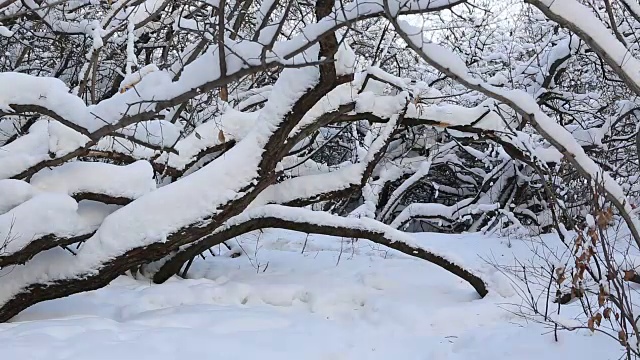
451	65
277	216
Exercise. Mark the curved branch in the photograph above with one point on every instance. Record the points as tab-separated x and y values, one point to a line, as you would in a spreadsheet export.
307	221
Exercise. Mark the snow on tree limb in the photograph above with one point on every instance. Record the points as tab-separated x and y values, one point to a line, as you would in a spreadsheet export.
80	179
451	65
134	234
277	216
59	222
581	20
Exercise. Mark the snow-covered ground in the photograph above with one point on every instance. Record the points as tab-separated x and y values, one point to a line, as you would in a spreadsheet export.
337	300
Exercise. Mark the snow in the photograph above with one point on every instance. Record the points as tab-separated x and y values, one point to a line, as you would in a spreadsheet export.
154	132
437	211
234	124
308	186
586	137
312	185
13	193
287	295
337	300
130	181
148	219
455	115
324	219
386	77
569	144
341	95
44	137
135	77
525	104
381	106
584	19
436	52
345	60
346	13
50	93
423	170
4	31
633	6
56	214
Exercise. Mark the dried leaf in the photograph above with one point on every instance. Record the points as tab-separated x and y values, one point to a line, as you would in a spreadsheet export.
576	292
602	296
602	299
622	336
579	241
594	236
607	313
629	275
598	319
198	136
582	257
605	217
221	137
590	325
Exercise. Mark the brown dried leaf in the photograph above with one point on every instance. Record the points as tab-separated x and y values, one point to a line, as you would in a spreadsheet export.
575	280
602	299
629	275
576	292
221	137
594	236
579	241
605	217
590	325
622	336
607	313
602	296
582	257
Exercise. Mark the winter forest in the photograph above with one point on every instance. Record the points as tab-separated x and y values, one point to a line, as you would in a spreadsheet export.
310	179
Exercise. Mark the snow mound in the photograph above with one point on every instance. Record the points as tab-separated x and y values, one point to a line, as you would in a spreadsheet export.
130	181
